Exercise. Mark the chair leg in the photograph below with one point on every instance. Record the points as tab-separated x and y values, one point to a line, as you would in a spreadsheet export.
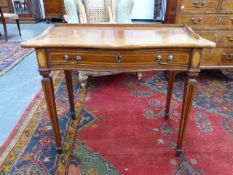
5	31
17	21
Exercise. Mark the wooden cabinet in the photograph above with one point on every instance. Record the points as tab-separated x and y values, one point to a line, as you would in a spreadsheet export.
199	6
211	19
28	12
6	6
54	8
227	6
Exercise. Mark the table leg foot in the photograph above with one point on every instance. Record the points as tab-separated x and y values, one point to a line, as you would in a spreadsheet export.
59	150
179	152
73	115
166	116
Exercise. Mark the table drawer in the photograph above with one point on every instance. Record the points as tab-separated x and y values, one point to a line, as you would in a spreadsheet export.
217	57
199	5
202	20
121	57
227	6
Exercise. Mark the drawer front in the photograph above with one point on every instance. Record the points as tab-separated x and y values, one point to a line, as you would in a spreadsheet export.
217	57
196	20
227	6
199	5
117	58
210	35
226	37
219	36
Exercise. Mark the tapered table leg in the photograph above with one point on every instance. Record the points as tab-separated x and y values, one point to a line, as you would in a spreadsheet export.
18	25
189	90
69	85
47	84
171	79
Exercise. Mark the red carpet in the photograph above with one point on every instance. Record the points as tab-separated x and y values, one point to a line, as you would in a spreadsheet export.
133	136
122	131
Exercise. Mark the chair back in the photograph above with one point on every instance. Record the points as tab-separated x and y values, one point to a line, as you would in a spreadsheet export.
96	11
2	16
1	13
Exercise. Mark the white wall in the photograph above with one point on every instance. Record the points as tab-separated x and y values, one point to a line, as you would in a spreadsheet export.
143	9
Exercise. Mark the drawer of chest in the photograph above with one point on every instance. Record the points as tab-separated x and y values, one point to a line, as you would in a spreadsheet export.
210	35
199	5
115	58
198	20
227	6
217	57
224	37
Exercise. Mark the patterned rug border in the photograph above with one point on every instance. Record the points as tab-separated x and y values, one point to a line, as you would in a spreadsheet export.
21	127
63	160
30	51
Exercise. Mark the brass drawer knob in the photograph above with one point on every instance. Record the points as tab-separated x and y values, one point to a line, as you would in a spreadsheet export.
228	55
118	58
78	58
66	57
199	4
170	58
159	59
230	37
196	20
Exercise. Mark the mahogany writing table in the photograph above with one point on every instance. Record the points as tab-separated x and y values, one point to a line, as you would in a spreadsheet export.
119	48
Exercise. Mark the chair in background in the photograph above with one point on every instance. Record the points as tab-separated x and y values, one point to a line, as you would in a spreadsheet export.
97	12
9	17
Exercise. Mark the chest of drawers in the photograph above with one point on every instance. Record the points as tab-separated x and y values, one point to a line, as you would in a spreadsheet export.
212	19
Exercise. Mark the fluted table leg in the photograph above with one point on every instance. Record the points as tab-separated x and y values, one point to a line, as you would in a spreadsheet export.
69	85
171	79
189	90
47	84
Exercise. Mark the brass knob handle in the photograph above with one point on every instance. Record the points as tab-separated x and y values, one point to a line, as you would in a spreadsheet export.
196	20
228	55
66	57
118	58
199	4
78	58
159	59
230	37
170	58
